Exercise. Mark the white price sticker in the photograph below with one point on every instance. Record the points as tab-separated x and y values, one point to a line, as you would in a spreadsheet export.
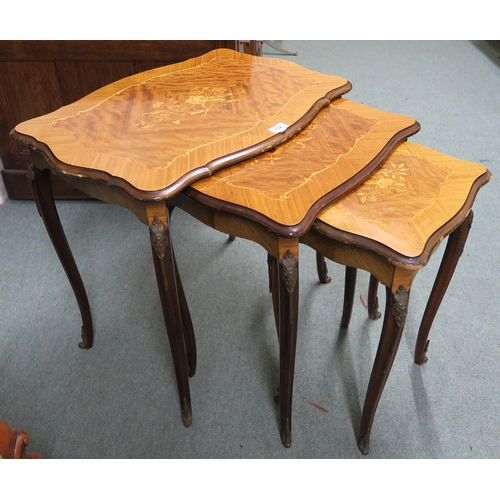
279	127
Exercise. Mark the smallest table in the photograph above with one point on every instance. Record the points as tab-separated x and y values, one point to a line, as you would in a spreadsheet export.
390	226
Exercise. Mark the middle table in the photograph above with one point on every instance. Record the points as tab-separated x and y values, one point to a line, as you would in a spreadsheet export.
274	199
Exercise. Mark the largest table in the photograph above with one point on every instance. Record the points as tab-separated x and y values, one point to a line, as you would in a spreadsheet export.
141	141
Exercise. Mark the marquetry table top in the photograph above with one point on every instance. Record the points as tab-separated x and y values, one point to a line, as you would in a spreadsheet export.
153	133
285	189
416	198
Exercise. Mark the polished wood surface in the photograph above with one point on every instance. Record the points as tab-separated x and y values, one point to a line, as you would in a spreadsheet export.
40	76
153	133
410	204
257	148
13	443
274	198
139	141
286	188
390	226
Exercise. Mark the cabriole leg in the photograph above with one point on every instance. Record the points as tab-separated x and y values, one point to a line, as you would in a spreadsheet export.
451	256
394	320
287	331
41	185
349	290
322	269
187	324
167	286
373	312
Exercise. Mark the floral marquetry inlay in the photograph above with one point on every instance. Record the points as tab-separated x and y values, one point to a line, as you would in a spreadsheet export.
198	101
340	142
394	185
159	129
414	192
386	182
171	116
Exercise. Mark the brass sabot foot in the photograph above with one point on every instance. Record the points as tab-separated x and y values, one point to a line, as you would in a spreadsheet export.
375	314
424	355
187	414
286	435
326	278
423	358
364	443
84	344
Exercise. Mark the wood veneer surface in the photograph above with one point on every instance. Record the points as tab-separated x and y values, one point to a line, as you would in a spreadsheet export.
286	188
148	131
408	201
39	76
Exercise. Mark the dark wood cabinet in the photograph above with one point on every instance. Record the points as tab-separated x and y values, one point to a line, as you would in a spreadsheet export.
38	77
